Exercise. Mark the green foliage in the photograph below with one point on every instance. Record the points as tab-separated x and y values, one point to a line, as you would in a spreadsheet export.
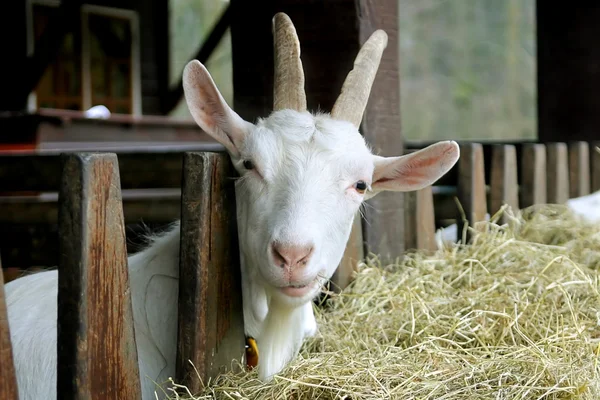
467	67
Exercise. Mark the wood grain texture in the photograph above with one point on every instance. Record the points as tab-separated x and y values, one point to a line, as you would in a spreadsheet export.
595	166
8	380
420	220
504	185
97	356
211	330
384	232
353	254
150	168
579	169
471	185
533	175
31	210
557	171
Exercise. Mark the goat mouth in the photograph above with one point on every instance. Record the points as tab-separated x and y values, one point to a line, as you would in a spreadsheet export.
298	290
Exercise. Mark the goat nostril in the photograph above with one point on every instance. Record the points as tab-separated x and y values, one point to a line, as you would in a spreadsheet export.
290	255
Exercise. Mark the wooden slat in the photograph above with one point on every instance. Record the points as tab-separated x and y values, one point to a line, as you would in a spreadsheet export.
595	166
211	332
579	169
419	220
353	254
25	245
97	356
471	185
533	175
557	170
30	210
8	380
504	185
150	168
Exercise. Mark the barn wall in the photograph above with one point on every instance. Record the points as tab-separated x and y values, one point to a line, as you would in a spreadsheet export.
568	70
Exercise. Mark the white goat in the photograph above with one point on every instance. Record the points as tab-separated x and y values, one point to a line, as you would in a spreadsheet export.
302	179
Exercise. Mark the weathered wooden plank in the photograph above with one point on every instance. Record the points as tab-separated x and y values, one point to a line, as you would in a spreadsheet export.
211	332
471	185
8	380
419	220
595	166
579	169
353	254
97	356
533	175
504	185
557	170
163	207
147	168
28	245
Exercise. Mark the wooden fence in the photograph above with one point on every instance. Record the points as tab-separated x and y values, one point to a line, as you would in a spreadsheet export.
91	214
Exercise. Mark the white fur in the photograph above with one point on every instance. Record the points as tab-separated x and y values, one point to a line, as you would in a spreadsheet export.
301	192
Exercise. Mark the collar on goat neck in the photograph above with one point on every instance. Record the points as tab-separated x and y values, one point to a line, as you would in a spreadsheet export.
251	353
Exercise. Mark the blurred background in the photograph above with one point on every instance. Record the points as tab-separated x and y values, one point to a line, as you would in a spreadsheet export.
467	67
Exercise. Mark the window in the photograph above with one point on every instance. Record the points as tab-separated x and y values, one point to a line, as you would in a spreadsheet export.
190	22
468	69
98	63
60	86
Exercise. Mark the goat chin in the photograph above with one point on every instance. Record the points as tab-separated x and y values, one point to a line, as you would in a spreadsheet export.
153	275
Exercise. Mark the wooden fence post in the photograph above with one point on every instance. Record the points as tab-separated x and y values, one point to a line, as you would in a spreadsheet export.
533	175
595	166
211	327
353	254
579	169
419	217
557	168
504	185
471	185
8	380
97	355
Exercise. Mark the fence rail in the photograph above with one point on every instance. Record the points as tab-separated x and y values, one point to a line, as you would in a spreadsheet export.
95	308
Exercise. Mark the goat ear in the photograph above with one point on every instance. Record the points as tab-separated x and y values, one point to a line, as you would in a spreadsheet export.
209	109
414	171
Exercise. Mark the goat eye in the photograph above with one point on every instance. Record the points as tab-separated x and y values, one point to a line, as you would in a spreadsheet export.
248	164
360	186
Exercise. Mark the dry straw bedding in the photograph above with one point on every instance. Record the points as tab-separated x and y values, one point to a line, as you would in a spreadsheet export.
513	315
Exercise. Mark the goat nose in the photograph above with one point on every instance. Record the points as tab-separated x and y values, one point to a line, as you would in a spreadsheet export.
291	255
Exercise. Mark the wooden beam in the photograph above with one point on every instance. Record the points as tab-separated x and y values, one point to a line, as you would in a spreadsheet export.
151	168
160	207
420	220
8	380
579	169
557	170
595	166
533	175
568	80
97	355
211	329
471	185
504	185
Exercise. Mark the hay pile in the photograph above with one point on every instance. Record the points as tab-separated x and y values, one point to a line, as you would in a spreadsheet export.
514	315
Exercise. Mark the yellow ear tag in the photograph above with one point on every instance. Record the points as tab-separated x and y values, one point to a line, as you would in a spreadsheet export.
251	353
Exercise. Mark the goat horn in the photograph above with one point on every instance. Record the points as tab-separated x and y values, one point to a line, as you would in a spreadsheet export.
351	103
288	89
